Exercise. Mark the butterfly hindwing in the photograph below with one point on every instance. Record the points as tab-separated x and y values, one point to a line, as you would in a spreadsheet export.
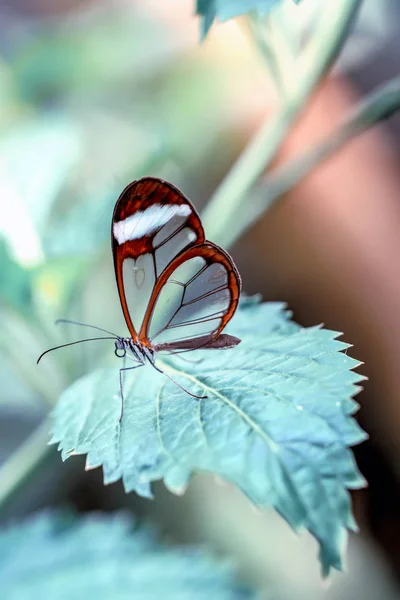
194	298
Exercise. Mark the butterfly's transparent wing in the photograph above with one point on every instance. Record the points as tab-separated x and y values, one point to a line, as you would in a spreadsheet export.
193	300
153	223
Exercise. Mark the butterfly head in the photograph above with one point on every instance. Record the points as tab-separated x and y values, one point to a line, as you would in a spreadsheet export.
121	346
136	350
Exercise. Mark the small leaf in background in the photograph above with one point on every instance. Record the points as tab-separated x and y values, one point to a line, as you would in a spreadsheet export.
223	10
53	556
277	422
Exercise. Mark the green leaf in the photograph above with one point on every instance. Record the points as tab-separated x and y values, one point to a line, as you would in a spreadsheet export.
276	422
227	9
54	556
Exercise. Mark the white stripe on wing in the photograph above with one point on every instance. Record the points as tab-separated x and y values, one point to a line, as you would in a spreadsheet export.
146	222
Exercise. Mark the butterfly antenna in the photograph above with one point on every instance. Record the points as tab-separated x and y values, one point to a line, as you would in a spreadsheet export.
179	385
85	325
71	344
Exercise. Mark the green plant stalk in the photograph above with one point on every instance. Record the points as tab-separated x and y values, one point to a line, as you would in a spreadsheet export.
24	462
222	212
379	105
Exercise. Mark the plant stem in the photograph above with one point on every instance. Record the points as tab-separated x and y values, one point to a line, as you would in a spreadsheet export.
24	462
222	212
379	105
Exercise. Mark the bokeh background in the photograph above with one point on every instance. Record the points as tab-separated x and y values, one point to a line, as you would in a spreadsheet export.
94	94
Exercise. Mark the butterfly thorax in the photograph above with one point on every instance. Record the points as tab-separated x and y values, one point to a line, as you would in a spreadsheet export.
136	350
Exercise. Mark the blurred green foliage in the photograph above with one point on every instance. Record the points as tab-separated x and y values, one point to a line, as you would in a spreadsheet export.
87	104
54	556
15	281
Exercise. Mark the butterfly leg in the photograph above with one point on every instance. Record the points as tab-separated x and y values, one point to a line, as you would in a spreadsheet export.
178	384
121	385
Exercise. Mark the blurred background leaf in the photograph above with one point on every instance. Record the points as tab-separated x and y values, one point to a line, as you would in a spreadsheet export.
54	555
15	281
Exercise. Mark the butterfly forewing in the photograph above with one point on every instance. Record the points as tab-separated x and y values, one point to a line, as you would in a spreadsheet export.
177	291
152	223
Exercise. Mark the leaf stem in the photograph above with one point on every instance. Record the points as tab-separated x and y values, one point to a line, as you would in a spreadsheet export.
24	462
317	58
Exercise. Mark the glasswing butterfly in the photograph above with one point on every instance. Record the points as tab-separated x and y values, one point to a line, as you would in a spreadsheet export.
177	290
